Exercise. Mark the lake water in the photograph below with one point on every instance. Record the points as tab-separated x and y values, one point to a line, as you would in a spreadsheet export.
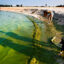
19	23
17	32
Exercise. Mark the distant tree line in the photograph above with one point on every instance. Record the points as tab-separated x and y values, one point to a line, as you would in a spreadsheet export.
10	5
19	5
60	6
1	5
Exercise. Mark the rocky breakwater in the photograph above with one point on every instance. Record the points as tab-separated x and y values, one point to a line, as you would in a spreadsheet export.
59	18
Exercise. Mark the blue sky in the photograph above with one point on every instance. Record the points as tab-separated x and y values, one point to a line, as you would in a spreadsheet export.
33	2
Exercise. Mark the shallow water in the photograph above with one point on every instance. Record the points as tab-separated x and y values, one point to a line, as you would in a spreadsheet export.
17	32
11	22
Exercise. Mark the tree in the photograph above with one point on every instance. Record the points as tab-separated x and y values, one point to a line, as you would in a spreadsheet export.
17	5
21	5
60	6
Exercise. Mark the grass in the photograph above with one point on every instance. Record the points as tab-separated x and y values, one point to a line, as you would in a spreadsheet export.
24	40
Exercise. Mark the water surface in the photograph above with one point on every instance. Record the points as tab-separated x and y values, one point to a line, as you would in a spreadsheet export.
16	37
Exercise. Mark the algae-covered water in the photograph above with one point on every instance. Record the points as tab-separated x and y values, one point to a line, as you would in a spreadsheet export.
20	39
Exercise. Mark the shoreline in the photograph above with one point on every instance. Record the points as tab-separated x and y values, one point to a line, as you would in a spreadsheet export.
16	11
39	8
59	12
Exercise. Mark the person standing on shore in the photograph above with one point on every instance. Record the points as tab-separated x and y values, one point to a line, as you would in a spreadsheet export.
48	14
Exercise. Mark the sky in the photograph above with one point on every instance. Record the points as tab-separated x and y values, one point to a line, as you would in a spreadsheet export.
33	2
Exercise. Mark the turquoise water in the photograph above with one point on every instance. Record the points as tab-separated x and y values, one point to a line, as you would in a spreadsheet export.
16	35
12	22
9	20
16	32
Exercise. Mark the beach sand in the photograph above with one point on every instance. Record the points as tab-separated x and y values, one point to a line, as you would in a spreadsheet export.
59	12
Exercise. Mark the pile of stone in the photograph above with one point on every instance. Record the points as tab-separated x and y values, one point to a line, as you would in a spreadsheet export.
59	18
60	21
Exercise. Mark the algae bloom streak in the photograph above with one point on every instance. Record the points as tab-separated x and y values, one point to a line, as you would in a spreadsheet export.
24	40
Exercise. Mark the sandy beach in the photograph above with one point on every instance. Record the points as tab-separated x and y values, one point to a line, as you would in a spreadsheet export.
20	9
59	12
